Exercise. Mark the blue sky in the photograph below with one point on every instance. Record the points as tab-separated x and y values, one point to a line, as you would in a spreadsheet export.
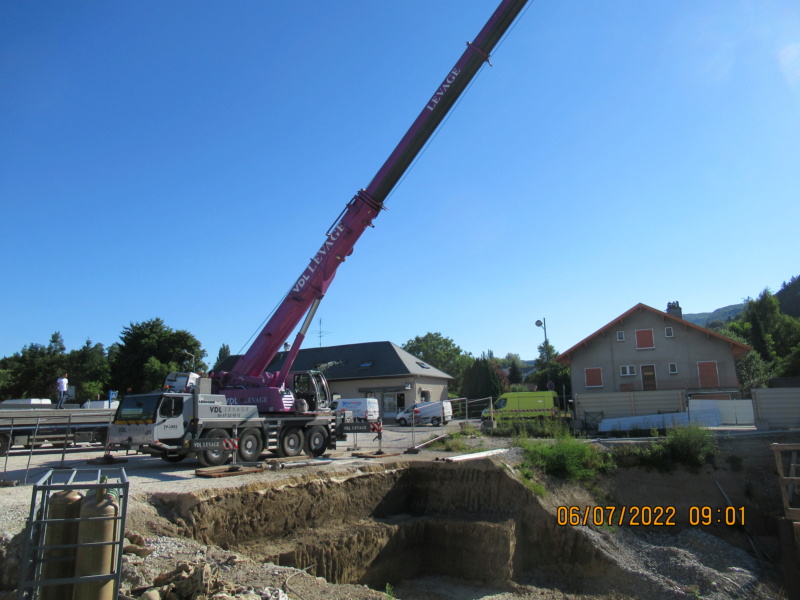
184	159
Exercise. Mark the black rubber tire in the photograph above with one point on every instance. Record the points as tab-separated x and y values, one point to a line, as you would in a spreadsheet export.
214	458
172	459
316	440
292	442
402	422
435	421
250	445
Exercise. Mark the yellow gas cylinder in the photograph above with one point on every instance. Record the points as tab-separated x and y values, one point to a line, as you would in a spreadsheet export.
59	563
97	525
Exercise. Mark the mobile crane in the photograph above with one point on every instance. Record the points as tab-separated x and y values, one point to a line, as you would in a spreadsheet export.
200	416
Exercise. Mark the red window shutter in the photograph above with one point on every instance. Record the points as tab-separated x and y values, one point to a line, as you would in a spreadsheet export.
707	373
594	377
645	339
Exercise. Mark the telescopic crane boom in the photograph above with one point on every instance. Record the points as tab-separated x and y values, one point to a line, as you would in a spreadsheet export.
248	375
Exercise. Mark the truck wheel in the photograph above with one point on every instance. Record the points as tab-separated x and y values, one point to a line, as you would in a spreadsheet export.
435	421
316	441
291	442
5	444
173	459
250	445
214	458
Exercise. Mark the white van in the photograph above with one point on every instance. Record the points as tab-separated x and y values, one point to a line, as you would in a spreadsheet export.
421	413
363	409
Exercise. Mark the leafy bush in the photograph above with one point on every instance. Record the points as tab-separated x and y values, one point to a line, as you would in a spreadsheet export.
567	458
690	445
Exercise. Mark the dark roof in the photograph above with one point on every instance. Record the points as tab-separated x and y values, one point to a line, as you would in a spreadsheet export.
358	361
738	348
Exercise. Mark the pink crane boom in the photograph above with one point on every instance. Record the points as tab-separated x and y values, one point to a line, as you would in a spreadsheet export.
247	380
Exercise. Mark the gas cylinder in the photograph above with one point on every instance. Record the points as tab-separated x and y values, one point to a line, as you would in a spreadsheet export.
97	525
59	563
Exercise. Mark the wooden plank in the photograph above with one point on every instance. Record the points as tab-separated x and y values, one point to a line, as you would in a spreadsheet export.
227	471
784	447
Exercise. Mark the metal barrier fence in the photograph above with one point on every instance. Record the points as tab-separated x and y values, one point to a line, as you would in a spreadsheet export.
31	430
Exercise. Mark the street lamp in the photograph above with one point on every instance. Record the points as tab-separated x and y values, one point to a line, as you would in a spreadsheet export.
192	355
543	325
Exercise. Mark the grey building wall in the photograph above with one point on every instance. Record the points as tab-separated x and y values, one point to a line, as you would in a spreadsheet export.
685	349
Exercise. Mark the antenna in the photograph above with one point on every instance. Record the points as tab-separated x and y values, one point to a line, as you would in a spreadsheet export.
320	332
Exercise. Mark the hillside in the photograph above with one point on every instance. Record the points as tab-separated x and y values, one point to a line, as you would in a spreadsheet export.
721	314
788	297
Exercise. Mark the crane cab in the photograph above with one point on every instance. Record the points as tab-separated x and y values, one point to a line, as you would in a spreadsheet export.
312	387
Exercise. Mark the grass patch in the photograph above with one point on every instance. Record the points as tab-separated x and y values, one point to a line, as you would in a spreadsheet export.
690	445
566	458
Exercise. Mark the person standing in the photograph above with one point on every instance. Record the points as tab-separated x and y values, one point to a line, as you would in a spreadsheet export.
63	386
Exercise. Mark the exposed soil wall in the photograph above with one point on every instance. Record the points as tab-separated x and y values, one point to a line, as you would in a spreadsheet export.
397	521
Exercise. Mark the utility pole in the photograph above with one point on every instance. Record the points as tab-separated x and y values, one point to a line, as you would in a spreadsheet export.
543	325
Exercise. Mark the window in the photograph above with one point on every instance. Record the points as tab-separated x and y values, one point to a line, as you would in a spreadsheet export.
668	332
620	336
627	370
673	368
707	374
423	365
594	377
644	339
365	364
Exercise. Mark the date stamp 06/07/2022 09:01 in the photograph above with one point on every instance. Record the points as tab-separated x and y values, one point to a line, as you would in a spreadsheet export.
647	516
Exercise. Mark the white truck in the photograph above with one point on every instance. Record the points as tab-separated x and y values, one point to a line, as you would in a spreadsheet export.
177	425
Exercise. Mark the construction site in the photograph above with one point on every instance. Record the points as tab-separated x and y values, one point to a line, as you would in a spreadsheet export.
437	525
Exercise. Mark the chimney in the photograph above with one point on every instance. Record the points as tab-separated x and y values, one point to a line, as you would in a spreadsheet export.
674	309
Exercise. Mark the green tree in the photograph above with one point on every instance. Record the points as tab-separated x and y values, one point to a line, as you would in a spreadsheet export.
89	371
514	373
32	372
772	334
441	352
546	366
482	380
224	352
751	370
131	367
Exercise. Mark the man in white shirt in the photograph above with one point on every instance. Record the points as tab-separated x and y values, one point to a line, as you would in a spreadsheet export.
63	386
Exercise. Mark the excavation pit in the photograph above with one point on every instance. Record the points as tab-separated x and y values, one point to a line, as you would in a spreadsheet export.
473	522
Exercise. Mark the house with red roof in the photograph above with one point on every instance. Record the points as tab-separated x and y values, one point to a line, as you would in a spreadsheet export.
652	360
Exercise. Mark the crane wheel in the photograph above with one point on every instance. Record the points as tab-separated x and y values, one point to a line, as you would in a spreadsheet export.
292	442
250	445
316	440
214	458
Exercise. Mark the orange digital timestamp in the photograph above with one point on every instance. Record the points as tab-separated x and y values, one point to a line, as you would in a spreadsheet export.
633	516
